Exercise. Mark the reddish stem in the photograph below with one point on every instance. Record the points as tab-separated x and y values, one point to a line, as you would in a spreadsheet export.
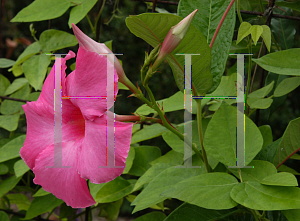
128	118
220	24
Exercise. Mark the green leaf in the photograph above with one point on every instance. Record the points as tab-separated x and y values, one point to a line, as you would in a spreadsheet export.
261	197
268	152
256	31
220	137
114	190
226	87
109	45
79	12
280	179
4	84
259	103
111	210
292	215
6	63
16	85
20	200
53	40
210	190
266	132
151	195
284	168
295	5
266	35
289	144
40	10
150	174
4	216
286	86
284	62
9	122
41	192
173	103
157	216
34	96
3	169
41	205
122	86
129	160
153	28
35	69
148	132
20	168
143	156
244	31
206	21
262	92
11	149
8	184
172	158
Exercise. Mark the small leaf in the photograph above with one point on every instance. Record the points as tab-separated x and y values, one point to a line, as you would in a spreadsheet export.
266	35
6	63
262	92
11	149
3	169
40	10
129	160
41	192
244	31
8	184
148	132
21	200
280	179
9	122
286	86
256	32
16	85
259	103
20	168
4	84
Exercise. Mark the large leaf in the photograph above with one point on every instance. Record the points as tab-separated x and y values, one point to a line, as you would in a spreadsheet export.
210	190
220	137
40	10
191	212
289	144
52	40
206	21
286	86
268	152
284	62
151	195
11	149
35	69
292	215
154	27
257	196
79	12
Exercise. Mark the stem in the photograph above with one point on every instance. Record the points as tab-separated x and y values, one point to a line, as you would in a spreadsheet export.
89	20
220	24
87	213
249	72
259	53
200	131
128	118
239	11
13	99
254	214
98	16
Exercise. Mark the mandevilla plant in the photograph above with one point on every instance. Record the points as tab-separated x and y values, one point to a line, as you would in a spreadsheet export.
142	170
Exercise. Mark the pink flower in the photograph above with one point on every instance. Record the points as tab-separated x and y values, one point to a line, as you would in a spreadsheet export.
83	129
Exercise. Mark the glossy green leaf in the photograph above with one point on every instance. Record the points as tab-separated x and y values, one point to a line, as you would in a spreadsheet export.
262	92
257	196
110	211
153	27
4	216
21	200
35	69
16	85
289	144
266	132
210	190
41	205
150	174
292	215
244	31
143	156
206	21
220	137
259	103
129	160
11	149
151	195
172	103
148	132
41	192
280	179
157	216
114	190
20	168
52	40
3	169
79	12
266	35
284	62
4	84
172	158
9	122
40	10
6	63
188	211
8	184
286	86
256	31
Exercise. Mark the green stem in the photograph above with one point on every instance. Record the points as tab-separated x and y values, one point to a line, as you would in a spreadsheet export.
200	131
98	16
254	213
89	20
239	11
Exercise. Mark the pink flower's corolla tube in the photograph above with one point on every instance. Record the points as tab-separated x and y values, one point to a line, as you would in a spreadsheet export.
83	131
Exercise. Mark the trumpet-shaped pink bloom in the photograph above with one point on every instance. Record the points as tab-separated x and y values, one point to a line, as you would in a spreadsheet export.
83	130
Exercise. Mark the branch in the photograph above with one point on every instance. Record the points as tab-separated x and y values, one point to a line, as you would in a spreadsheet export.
13	99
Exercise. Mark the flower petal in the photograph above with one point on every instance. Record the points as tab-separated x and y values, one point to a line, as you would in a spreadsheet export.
93	150
64	183
90	79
